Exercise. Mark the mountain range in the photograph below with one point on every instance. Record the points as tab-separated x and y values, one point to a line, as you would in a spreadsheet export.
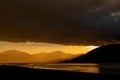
14	56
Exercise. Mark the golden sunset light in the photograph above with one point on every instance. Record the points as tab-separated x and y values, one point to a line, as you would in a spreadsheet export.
60	39
34	47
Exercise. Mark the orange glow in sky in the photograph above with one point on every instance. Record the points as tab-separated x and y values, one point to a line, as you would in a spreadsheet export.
34	47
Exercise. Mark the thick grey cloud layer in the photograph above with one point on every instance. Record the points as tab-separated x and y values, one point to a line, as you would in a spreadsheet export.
60	21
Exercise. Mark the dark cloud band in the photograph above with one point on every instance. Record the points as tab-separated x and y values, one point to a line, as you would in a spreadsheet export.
61	21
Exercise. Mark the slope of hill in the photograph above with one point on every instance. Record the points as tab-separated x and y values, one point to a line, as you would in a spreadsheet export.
104	54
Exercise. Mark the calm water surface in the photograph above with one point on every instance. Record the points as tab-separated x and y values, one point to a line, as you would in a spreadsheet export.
110	68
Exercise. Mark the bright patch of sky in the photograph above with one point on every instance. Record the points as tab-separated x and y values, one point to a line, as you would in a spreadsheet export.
34	47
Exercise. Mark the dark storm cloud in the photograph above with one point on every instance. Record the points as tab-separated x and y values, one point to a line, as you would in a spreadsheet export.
60	21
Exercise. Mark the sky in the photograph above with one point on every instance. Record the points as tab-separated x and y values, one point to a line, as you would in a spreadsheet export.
69	22
35	47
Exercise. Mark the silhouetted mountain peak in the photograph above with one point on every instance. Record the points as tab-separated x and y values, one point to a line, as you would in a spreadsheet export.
110	50
14	52
11	51
14	56
55	56
104	54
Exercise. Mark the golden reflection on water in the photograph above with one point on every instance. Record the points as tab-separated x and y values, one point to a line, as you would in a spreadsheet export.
89	68
76	67
106	68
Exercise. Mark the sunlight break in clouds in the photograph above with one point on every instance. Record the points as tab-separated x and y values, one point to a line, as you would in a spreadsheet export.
34	47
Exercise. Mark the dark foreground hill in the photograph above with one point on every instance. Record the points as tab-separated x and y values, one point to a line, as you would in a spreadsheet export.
104	54
22	73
